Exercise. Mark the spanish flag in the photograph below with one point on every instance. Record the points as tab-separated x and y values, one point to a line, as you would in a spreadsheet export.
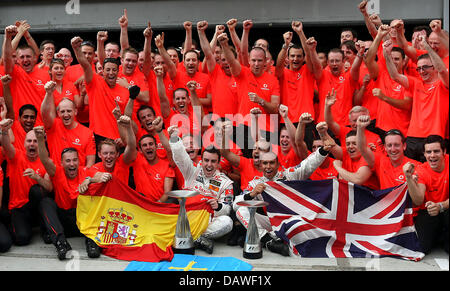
128	226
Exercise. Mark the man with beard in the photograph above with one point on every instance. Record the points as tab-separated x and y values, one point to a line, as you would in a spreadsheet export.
387	167
430	192
68	179
28	183
153	176
27	85
270	168
213	185
64	131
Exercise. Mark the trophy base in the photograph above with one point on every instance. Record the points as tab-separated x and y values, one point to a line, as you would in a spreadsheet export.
189	251
253	256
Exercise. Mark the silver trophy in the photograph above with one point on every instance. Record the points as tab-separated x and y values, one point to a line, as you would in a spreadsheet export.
183	242
252	246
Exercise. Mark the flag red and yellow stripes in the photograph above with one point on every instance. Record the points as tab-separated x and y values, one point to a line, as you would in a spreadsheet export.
128	226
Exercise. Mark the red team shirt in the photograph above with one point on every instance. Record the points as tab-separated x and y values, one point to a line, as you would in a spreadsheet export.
101	100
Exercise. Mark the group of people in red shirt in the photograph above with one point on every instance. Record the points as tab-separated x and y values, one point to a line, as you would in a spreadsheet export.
379	106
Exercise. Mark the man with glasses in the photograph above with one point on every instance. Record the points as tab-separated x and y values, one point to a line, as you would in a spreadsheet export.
430	106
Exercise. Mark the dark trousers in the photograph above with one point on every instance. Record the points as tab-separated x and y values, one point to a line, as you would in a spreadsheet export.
414	148
432	230
5	239
23	218
60	223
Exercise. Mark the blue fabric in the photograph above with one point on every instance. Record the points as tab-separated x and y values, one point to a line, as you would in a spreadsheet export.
181	262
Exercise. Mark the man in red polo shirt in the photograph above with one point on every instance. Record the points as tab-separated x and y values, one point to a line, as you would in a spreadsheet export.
27	85
255	88
64	131
59	213
430	192
430	107
103	94
387	167
153	176
28	183
108	151
224	100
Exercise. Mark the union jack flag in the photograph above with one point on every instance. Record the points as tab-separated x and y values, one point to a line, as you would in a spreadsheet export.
337	219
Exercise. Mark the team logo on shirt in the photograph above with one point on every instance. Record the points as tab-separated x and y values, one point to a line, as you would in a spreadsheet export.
398	88
265	87
115	228
77	142
68	93
40	83
299	76
158	177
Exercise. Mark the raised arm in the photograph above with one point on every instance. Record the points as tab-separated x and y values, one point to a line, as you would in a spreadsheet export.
48	164
361	141
164	101
227	131
231	24
148	62
369	23
371	54
247	25
87	68
6	80
235	66
416	191
393	72
123	22
300	151
48	109
10	32
279	66
188	37
330	99
205	45
102	37
436	61
130	153
8	148
171	67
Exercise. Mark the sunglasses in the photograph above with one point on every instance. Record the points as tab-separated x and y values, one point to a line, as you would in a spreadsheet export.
423	68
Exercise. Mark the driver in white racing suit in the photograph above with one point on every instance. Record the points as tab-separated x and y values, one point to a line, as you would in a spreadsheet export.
209	182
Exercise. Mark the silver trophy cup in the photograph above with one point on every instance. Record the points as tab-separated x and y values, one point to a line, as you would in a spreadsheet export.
183	242
252	246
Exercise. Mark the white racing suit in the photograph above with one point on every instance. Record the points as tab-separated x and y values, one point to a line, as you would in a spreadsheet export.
218	186
300	172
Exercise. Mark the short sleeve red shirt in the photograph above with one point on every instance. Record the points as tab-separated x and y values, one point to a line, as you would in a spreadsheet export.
18	184
81	138
345	87
430	108
121	170
149	179
435	182
136	78
353	166
248	171
224	98
203	84
388	175
265	86
68	91
66	190
28	88
297	92
101	105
